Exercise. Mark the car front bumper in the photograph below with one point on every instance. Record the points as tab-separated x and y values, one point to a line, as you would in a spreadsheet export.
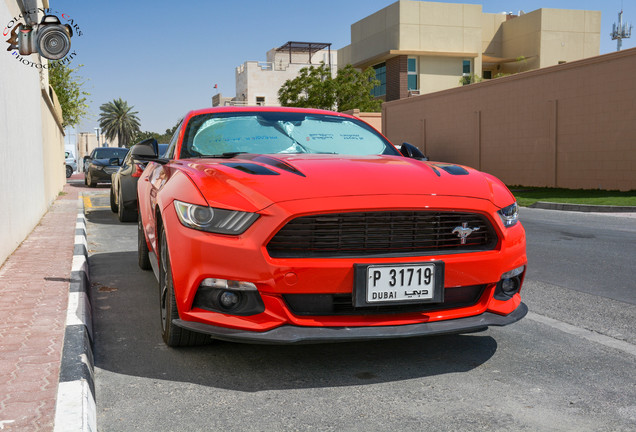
291	334
196	256
102	175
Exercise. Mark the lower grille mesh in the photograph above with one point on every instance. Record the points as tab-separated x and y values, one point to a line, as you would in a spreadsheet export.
342	304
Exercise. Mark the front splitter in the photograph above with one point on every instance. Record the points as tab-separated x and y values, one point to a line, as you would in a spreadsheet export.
289	334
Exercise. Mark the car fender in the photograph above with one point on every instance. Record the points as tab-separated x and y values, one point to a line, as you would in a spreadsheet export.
158	186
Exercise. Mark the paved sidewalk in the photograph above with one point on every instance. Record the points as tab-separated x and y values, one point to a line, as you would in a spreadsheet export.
34	293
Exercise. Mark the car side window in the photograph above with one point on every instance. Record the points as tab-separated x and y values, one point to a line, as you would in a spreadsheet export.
173	143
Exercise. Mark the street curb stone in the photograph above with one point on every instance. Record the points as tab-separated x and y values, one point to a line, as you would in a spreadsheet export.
583	207
75	409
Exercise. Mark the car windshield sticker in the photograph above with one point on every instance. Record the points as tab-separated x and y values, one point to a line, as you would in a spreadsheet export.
266	133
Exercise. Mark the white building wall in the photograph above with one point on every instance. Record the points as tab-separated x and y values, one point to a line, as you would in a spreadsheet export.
32	154
263	79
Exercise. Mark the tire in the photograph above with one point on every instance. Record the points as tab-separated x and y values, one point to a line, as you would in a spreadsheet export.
85	179
113	204
172	335
123	214
69	171
90	181
142	248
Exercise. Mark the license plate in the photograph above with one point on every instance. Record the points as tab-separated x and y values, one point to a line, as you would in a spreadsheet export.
402	283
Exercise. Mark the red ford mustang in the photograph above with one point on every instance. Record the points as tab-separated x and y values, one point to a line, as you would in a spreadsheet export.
278	225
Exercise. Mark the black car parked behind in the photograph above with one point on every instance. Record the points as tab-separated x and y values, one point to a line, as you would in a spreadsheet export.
123	187
104	161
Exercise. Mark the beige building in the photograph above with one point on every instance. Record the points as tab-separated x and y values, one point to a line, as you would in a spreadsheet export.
419	47
257	83
87	141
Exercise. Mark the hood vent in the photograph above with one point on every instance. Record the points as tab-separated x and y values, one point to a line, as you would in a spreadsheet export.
272	161
452	169
250	168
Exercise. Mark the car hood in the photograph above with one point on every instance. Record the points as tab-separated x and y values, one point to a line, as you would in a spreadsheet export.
253	182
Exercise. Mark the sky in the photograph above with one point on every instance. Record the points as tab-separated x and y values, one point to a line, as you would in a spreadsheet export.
164	57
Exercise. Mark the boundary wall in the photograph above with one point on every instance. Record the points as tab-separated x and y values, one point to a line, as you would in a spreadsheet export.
571	125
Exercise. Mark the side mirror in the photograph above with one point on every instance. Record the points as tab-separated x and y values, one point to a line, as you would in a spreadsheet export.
147	149
113	161
410	151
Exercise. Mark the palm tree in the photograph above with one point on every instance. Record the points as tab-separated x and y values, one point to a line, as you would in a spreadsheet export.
118	120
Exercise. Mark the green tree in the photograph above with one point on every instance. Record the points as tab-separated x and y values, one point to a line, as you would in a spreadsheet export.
314	87
161	138
353	90
140	136
470	79
167	136
117	119
68	87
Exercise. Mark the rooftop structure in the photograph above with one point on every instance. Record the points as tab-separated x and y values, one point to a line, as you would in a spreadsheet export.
257	83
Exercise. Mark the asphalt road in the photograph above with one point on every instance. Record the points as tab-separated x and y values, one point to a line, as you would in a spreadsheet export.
590	253
569	365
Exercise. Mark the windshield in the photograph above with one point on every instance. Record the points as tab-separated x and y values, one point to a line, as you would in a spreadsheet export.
110	152
225	134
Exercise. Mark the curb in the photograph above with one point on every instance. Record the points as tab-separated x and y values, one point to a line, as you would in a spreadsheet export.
75	408
583	207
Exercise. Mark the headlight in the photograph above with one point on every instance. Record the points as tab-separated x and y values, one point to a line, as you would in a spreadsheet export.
509	215
214	220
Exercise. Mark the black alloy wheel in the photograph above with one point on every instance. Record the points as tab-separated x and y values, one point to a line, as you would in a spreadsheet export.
172	335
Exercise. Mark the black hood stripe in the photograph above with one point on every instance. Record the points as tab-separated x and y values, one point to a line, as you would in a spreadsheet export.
250	168
272	161
452	169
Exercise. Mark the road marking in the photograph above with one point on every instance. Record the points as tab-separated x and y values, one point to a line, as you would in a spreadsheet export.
88	204
583	333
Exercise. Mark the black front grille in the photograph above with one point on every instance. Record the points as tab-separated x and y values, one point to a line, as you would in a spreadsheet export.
342	304
397	233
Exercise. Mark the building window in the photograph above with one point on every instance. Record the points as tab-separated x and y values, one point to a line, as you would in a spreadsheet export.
487	74
380	75
466	67
412	73
466	72
260	100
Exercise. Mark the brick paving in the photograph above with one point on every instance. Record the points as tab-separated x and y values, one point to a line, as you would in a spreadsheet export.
34	289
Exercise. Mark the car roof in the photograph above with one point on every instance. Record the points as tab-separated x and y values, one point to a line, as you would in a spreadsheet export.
229	109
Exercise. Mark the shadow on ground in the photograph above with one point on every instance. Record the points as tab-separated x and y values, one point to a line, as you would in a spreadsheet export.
126	318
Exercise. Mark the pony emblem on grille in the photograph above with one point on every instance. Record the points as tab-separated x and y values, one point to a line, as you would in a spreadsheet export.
463	231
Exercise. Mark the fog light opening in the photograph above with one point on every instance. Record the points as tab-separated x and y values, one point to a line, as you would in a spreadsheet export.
510	286
229	300
228	297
